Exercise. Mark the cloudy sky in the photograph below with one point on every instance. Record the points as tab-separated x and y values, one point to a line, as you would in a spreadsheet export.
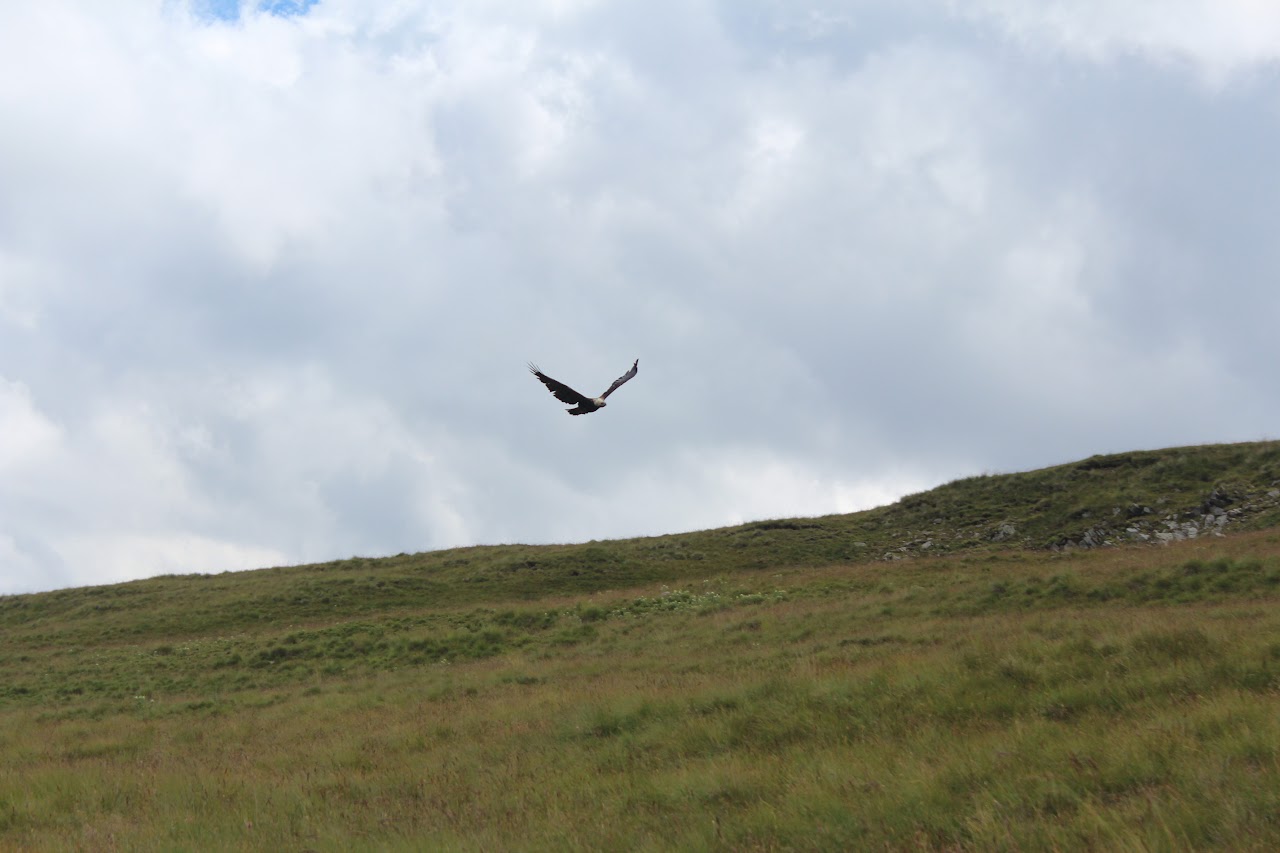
270	273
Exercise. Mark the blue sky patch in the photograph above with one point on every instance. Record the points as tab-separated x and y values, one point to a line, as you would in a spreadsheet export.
229	10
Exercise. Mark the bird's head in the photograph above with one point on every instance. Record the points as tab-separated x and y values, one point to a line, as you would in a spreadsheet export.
599	401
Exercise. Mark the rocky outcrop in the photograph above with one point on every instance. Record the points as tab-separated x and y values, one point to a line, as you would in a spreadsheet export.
1152	523
1221	507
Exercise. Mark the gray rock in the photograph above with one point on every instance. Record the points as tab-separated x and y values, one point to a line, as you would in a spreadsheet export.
1003	532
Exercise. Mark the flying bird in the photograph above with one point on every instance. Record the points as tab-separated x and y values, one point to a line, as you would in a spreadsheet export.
583	404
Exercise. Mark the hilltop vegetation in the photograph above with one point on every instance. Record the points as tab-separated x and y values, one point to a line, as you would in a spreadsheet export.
1083	504
969	668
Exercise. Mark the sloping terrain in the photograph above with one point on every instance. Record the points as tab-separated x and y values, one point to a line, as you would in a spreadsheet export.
1085	656
1148	496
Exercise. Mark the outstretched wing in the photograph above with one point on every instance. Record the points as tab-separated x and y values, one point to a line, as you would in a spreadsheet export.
618	383
563	392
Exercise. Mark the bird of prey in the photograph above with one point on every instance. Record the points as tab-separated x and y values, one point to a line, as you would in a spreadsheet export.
583	404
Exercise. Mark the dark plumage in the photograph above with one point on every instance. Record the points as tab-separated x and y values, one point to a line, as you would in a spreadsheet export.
582	404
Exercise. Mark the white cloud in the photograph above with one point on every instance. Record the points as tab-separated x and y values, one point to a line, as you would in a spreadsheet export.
1219	38
267	286
759	483
20	279
29	436
107	558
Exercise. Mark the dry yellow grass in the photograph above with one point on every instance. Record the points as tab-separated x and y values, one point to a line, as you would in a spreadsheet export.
985	703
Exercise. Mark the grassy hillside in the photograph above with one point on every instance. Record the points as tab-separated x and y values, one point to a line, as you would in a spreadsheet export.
972	667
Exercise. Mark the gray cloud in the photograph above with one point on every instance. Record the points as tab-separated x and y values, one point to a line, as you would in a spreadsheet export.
267	285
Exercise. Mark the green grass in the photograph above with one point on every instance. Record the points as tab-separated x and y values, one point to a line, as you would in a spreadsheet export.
1045	508
766	695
